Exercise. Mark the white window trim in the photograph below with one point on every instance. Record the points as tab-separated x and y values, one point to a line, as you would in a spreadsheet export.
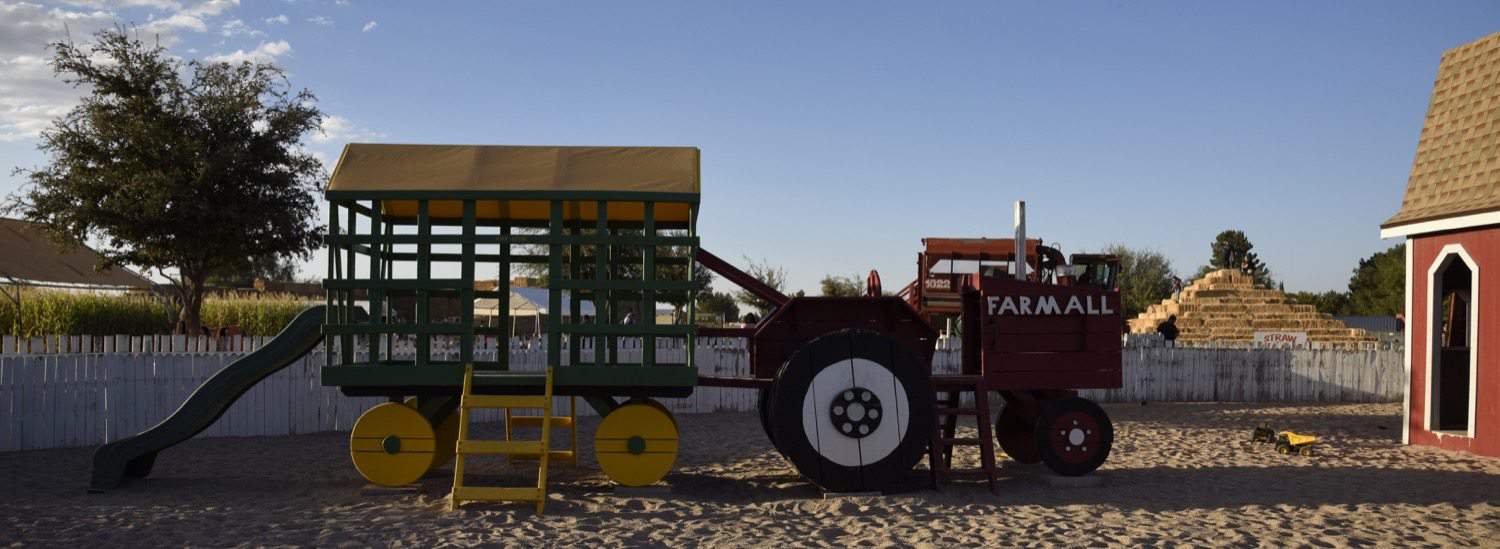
1406	351
1440	225
1434	325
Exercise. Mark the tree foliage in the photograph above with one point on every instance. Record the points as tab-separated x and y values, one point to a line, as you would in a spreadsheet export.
193	168
842	286
1378	286
768	274
1331	302
269	267
719	303
628	264
1145	277
1231	249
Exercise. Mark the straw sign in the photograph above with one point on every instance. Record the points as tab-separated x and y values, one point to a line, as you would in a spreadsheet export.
1281	339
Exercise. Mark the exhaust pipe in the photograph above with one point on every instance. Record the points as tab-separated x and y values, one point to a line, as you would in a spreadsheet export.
1020	261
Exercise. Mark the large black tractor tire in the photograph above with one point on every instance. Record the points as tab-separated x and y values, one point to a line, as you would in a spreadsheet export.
852	411
764	407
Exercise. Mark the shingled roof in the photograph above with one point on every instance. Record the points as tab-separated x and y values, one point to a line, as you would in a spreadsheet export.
28	257
1457	167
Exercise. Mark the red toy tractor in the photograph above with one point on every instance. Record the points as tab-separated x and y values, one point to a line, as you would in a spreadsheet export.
847	388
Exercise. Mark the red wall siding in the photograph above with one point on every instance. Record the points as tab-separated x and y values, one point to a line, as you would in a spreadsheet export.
1483	246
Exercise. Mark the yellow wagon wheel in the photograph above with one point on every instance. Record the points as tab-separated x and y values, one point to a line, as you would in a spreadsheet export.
392	444
636	444
446	433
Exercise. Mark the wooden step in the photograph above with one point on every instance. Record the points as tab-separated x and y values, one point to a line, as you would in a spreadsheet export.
558	422
554	455
947	411
962	441
538	378
506	401
500	447
958	381
491	493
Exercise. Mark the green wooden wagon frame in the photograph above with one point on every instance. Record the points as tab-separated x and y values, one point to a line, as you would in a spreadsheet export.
587	213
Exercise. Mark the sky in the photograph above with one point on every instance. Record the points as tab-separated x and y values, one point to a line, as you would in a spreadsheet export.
836	135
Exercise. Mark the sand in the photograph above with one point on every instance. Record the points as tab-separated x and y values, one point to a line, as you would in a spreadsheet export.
1179	474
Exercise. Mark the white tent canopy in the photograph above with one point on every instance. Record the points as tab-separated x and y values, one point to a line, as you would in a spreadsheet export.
530	302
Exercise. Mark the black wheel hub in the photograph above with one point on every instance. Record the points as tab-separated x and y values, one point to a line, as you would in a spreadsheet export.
856	412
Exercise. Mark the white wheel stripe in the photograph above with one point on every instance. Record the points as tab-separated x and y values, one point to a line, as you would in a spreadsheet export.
832	381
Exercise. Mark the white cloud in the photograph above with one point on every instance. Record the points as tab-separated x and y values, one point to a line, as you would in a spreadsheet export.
344	3
192	18
339	129
321	21
237	27
211	8
30	95
278	20
105	4
266	52
181	21
369	27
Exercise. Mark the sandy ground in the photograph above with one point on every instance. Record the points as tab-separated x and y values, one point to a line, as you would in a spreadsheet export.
1179	474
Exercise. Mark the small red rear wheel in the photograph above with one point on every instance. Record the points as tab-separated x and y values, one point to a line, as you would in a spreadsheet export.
1074	436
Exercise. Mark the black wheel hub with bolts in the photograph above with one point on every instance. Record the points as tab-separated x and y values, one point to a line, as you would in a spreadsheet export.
855	412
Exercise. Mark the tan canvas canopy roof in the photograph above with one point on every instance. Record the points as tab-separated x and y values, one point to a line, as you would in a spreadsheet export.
462	169
1457	167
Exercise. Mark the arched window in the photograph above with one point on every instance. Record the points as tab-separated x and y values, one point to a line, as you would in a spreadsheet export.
1452	314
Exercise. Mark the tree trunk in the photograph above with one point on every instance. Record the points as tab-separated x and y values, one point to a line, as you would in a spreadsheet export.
190	319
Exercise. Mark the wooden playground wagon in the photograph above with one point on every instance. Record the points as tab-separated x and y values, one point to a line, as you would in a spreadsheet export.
846	385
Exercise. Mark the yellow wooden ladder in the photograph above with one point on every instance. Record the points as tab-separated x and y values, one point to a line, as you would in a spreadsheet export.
568	422
538	448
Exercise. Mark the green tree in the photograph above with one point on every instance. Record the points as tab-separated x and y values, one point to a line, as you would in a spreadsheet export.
769	275
842	286
269	267
188	167
1331	302
719	303
1145	278
628	265
678	299
1231	249
1378	286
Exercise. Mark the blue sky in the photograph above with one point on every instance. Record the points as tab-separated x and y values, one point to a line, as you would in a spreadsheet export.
836	135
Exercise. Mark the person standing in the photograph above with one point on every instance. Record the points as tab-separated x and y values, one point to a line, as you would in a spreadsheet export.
1176	287
1168	331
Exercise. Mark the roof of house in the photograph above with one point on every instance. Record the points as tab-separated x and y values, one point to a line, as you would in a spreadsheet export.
1456	171
28	256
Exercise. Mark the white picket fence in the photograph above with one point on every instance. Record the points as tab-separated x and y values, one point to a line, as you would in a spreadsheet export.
55	344
1258	375
67	400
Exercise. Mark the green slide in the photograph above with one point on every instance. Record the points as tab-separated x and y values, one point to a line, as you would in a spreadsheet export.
134	456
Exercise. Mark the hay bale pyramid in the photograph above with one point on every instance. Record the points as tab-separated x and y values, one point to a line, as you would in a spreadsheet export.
1226	308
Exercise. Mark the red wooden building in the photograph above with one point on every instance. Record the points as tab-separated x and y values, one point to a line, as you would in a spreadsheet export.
1451	220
